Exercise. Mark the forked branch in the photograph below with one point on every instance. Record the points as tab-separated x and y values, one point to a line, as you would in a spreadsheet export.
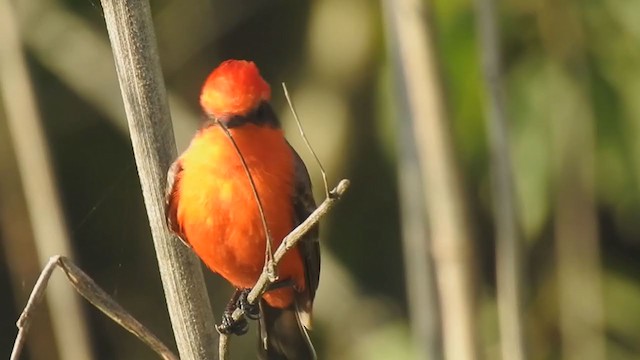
86	287
287	244
272	259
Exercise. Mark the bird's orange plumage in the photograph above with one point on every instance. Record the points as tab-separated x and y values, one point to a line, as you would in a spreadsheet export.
211	205
218	212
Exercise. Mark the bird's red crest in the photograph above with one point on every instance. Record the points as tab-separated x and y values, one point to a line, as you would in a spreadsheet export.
235	87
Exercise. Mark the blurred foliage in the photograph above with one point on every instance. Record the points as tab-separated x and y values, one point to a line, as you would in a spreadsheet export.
333	56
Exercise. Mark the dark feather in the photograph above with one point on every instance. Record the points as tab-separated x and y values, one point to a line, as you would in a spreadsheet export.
283	332
309	246
171	201
282	335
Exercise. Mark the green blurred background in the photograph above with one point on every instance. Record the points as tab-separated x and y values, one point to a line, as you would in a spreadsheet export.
572	72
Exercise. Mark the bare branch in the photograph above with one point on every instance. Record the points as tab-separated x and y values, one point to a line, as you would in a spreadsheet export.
35	298
287	244
306	141
269	274
292	239
95	295
135	53
269	265
223	347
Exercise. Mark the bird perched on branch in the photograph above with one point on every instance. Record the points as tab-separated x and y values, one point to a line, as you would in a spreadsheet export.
211	205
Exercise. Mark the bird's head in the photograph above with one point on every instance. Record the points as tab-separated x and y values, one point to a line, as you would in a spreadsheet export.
235	88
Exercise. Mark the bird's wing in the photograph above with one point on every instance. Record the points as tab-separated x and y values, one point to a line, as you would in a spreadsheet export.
309	246
171	201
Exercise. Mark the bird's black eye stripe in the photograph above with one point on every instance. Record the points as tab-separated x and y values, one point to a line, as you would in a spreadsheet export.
266	116
234	121
262	116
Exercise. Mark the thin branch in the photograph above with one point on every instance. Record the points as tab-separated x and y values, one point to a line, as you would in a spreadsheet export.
86	287
292	239
24	321
223	347
269	265
135	52
287	244
306	141
271	261
508	232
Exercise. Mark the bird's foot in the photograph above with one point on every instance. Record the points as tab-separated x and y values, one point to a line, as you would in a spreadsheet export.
231	326
252	311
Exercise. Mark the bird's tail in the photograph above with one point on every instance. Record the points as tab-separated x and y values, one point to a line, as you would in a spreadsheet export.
282	335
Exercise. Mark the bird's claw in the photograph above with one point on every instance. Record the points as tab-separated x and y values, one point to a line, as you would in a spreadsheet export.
240	326
252	311
230	326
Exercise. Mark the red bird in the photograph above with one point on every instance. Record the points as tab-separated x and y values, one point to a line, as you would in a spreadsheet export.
211	206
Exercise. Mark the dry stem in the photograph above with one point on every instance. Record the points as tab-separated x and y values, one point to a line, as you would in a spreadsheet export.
287	244
86	287
134	47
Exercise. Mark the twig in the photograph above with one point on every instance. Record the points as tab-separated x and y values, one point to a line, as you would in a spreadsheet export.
287	244
86	287
269	265
271	262
135	53
223	347
508	232
35	298
306	141
292	239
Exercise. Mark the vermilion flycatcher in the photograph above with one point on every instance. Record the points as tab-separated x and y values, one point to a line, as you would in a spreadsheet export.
212	208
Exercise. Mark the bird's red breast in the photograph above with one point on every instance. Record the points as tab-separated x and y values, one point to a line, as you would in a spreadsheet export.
217	210
210	204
